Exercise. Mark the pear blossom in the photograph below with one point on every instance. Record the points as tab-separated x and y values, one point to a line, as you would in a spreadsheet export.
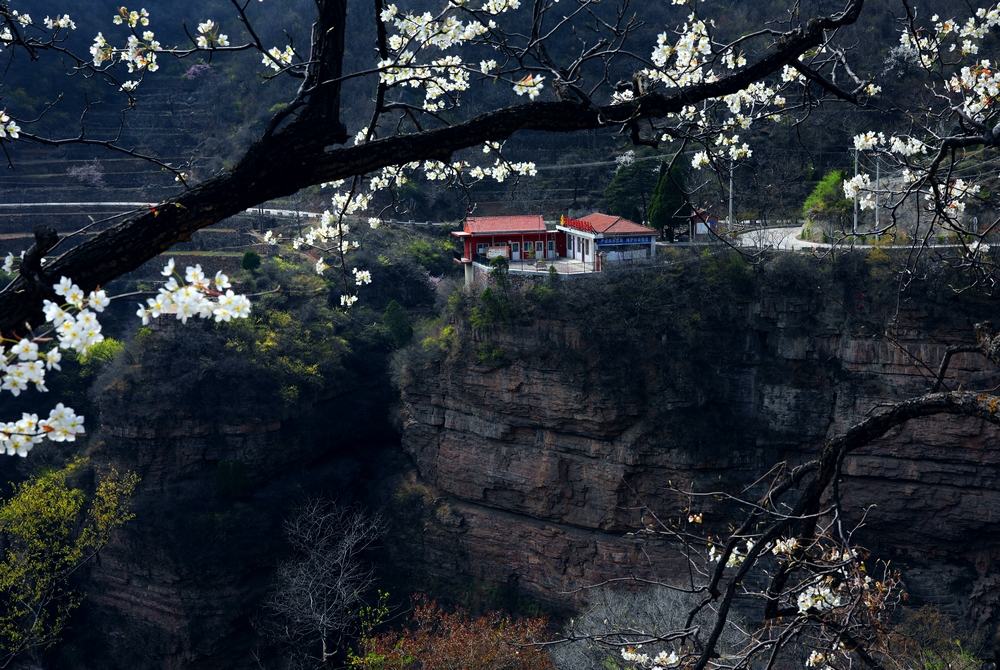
815	659
61	21
25	350
98	300
209	36
817	598
8	127
784	546
531	85
277	59
362	276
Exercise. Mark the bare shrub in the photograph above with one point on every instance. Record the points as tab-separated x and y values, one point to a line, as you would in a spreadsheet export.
318	592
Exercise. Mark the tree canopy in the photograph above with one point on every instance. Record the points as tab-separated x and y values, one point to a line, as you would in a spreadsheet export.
827	199
631	189
666	207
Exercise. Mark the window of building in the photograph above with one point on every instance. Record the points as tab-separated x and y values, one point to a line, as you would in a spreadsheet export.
481	249
515	247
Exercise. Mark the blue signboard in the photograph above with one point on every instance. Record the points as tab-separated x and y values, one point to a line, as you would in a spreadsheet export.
623	240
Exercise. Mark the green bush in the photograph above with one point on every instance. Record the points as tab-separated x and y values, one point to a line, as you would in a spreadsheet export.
396	321
435	256
251	261
553	277
489	354
290	351
827	200
99	354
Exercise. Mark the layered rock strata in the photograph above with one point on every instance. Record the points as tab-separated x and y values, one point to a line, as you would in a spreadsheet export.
539	468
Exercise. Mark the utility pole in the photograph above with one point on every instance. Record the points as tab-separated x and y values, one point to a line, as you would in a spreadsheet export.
855	193
730	195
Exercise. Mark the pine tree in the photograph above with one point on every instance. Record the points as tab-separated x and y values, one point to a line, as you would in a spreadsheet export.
629	192
668	200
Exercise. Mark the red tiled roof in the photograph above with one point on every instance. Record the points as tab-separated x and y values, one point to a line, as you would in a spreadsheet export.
479	225
615	225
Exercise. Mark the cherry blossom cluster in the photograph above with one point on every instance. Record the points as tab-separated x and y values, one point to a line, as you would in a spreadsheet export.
448	75
24	362
815	659
276	59
684	59
8	127
833	574
424	30
682	63
818	598
954	195
132	18
330	235
900	149
73	323
61	21
499	171
23	19
331	232
531	84
735	558
139	52
18	437
209	36
194	295
948	48
495	7
81	330
783	546
661	661
860	187
502	169
439	76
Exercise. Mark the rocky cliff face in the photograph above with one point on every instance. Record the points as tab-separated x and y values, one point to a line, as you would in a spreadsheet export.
178	586
538	465
529	469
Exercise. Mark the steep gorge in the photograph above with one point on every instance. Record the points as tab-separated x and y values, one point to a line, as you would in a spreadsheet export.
539	461
528	449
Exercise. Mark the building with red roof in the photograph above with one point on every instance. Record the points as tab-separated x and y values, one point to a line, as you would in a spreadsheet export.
517	238
600	237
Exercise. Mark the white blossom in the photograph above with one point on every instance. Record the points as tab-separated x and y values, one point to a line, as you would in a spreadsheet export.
531	85
818	598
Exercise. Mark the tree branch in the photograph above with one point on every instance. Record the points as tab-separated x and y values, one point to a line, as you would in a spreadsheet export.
299	155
